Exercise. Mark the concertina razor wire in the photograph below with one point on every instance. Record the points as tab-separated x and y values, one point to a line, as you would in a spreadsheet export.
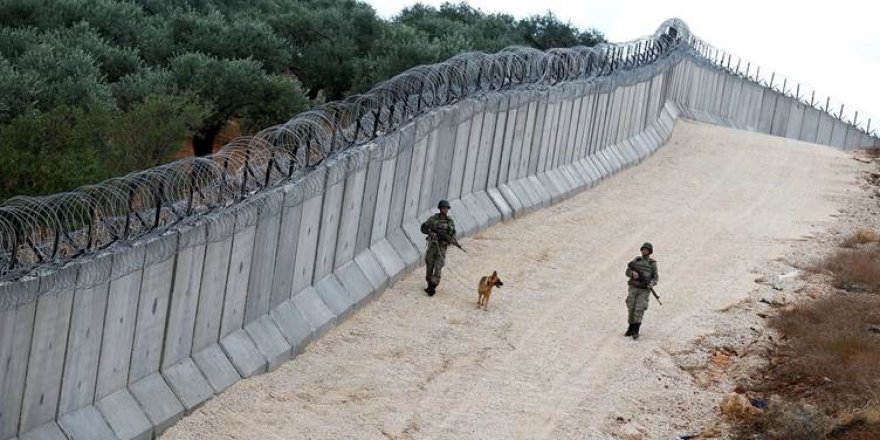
43	235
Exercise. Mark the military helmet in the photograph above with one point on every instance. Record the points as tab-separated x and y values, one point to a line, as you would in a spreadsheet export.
648	246
443	204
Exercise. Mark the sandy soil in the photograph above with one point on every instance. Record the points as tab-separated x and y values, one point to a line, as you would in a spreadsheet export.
548	360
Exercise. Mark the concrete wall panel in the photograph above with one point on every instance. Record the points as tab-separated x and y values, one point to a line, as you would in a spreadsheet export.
795	121
459	158
603	115
838	134
852	134
810	127
510	129
548	136
369	204
285	253
400	185
237	279
583	127
781	116
826	125
426	188
755	107
185	295
522	168
743	104
263	258
563	133
438	186
350	217
152	315
574	129
538	135
84	342
119	322
331	210
504	116
622	113
383	201
554	141
768	109
16	329
307	243
475	140
213	287
489	152
446	144
42	387
511	171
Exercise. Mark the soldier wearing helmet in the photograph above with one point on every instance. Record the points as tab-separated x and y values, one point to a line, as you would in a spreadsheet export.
642	274
440	233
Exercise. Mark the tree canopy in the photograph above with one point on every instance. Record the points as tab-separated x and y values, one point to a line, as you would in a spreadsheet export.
98	88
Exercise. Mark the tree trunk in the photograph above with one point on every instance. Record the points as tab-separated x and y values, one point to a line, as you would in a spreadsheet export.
203	142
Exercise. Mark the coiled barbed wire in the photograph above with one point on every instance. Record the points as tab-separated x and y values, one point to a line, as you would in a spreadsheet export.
51	231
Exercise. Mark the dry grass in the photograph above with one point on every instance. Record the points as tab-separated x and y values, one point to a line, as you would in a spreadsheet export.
829	344
862	424
825	368
824	372
860	237
795	421
854	269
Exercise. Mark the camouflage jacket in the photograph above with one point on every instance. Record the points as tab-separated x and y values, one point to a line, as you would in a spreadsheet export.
439	227
647	270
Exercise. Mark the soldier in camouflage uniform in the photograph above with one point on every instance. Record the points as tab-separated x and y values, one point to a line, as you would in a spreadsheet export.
440	231
642	274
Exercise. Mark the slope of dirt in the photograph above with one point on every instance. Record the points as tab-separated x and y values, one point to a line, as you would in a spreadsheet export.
810	360
548	360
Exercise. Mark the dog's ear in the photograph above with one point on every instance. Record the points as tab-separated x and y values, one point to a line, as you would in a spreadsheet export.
495	273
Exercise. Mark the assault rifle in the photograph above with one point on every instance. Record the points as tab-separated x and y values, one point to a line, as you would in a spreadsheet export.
450	238
456	244
643	276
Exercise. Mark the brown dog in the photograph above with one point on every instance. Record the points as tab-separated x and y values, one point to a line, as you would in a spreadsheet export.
485	289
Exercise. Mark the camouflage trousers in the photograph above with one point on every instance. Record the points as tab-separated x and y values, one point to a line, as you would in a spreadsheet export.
435	259
637	303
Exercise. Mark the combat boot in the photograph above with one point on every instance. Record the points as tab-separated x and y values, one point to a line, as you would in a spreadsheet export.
635	333
629	330
431	289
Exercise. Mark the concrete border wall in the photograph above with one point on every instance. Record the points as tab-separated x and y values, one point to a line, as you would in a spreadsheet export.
126	353
712	95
